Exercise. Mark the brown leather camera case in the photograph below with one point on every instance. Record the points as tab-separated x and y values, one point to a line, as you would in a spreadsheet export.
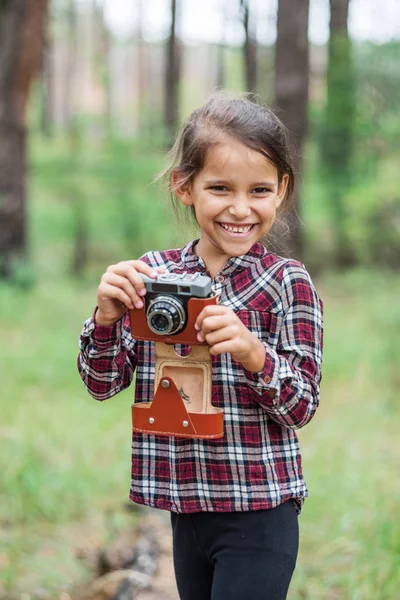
181	405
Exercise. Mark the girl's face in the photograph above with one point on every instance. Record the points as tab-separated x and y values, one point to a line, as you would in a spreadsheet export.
235	197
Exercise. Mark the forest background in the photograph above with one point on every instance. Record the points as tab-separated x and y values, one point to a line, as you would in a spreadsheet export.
90	99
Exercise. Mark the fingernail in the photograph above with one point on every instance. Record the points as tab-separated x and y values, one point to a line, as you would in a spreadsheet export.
142	292
153	274
139	304
200	337
196	327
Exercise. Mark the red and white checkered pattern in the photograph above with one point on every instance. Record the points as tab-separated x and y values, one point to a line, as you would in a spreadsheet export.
257	464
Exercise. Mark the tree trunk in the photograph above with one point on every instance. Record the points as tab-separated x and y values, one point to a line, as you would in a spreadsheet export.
101	41
291	95
337	139
172	78
22	27
142	80
47	91
220	56
77	196
221	47
70	69
250	50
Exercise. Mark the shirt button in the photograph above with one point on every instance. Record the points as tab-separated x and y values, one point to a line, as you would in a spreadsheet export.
220	278
267	379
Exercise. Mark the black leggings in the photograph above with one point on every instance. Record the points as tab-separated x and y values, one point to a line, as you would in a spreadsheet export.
235	556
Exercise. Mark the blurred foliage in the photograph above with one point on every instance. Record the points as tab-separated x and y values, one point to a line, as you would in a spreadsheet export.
369	190
101	181
108	180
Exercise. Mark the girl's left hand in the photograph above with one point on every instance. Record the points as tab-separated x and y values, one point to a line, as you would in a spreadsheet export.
222	329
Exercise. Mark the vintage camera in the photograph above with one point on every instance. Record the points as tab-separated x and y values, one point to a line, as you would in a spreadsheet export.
166	301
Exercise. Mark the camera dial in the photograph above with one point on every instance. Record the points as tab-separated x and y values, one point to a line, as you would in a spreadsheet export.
166	315
168	277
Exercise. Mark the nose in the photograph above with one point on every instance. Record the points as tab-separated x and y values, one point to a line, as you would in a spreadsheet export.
240	207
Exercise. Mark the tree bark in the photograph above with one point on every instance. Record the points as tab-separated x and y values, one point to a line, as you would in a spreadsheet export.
22	30
220	52
101	51
172	77
291	95
142	80
47	91
70	68
337	138
250	50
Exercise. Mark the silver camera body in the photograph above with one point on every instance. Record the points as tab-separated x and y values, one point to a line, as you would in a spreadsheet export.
167	298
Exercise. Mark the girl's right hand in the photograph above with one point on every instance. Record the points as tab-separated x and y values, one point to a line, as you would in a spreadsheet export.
121	288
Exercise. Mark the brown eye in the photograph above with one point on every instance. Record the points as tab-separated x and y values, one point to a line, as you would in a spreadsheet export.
218	188
262	190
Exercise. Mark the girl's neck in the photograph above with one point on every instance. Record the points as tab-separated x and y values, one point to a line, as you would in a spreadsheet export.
214	265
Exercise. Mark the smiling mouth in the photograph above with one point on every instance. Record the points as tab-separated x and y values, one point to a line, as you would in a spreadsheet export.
237	228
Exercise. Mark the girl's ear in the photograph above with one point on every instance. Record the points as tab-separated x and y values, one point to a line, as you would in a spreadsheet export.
181	189
282	189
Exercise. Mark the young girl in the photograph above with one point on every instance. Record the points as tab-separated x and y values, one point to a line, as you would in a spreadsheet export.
234	501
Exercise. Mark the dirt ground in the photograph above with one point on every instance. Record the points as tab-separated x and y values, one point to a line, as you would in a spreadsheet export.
164	586
137	564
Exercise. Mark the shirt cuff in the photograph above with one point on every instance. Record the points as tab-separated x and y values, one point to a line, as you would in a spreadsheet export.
266	380
102	334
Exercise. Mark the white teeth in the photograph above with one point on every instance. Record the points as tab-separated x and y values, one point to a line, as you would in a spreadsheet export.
237	229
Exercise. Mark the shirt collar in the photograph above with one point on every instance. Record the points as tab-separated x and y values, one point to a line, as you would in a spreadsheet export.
190	259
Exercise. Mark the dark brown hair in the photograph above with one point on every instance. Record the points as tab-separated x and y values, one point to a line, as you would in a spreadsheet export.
248	121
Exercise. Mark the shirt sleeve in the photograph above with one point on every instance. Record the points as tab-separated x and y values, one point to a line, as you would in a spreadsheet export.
107	357
288	385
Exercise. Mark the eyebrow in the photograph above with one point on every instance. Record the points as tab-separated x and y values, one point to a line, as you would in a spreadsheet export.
224	181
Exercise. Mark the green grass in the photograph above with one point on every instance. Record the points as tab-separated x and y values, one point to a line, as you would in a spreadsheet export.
65	460
350	528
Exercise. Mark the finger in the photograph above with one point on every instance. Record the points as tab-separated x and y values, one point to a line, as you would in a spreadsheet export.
226	347
211	325
221	335
124	283
211	310
141	267
132	275
137	266
218	322
110	292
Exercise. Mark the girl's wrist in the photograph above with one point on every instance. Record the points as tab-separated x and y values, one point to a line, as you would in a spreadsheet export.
256	359
101	320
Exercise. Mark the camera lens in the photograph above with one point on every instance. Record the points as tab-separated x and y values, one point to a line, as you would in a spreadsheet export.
166	315
159	322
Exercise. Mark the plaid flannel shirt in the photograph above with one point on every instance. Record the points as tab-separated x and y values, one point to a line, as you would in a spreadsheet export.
257	464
